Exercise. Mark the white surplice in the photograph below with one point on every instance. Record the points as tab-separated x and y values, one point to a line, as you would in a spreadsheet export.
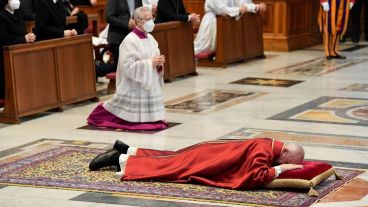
205	40
138	96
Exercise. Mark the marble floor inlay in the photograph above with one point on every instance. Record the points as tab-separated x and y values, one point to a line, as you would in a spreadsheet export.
358	87
338	110
318	66
267	82
209	101
343	47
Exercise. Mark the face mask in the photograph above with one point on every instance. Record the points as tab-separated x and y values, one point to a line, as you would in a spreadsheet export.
14	4
148	26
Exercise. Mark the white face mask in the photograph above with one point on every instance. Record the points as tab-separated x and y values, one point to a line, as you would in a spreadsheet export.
148	26
14	4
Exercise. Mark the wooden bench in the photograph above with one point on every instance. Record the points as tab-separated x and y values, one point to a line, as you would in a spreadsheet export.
112	82
47	75
287	24
175	40
98	9
236	40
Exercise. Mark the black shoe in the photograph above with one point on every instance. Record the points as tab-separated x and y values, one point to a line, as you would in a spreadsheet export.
109	158
328	57
121	146
338	57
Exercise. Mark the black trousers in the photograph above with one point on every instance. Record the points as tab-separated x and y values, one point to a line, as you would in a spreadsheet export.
356	13
114	48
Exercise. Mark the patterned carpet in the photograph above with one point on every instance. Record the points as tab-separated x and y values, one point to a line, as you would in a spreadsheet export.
66	167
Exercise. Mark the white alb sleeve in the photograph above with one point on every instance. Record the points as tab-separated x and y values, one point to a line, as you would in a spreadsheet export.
278	171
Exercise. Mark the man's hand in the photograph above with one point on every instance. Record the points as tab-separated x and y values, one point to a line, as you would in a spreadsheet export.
93	2
287	167
243	10
131	24
74	32
325	6
158	60
69	33
154	9
75	11
194	18
30	37
262	7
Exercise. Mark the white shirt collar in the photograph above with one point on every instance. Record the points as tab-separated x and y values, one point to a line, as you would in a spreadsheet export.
54	1
7	8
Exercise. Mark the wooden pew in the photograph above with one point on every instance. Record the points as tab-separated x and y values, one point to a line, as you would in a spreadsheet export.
92	19
236	40
47	75
175	40
98	9
287	24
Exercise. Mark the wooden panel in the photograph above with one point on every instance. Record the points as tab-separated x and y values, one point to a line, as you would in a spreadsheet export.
267	18
236	40
76	72
229	36
299	22
179	54
194	6
294	24
253	37
35	83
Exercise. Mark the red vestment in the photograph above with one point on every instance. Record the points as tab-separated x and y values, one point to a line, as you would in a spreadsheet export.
232	164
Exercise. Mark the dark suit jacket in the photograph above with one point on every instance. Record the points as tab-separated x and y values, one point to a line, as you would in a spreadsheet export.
50	20
118	15
28	9
12	31
80	2
171	10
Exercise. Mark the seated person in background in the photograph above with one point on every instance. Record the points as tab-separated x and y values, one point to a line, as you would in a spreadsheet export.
205	40
12	31
28	9
51	20
83	2
138	102
82	18
232	164
174	10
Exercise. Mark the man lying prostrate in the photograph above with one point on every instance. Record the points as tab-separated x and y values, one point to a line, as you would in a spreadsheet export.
137	103
232	164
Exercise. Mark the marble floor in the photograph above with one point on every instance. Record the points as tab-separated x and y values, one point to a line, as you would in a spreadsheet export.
296	96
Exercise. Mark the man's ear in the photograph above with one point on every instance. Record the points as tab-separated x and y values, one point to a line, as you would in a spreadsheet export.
284	149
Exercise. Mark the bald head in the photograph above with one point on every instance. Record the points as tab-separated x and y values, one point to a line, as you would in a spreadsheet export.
291	154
